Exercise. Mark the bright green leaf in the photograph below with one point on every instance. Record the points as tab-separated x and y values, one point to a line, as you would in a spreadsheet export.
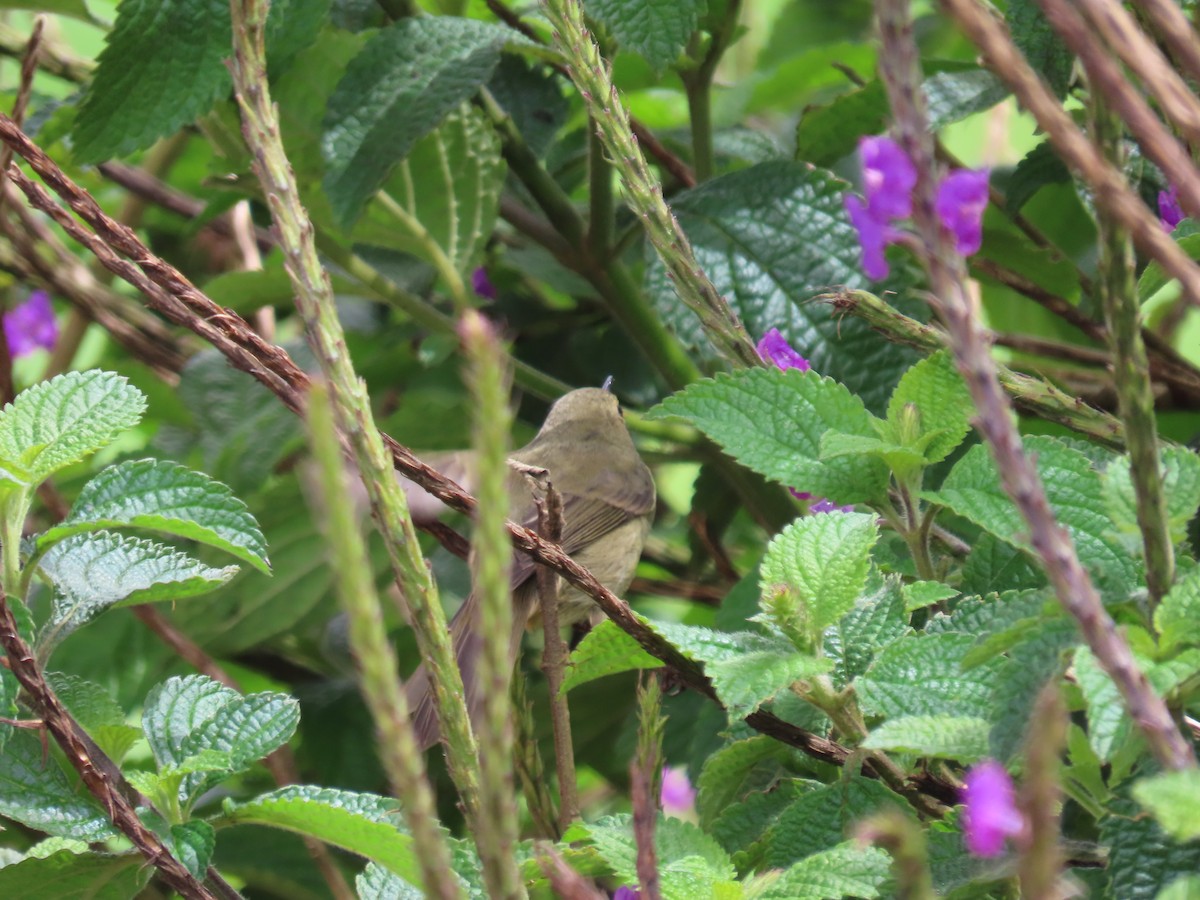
1174	799
605	650
192	844
769	665
941	397
655	30
877	619
847	870
1181	490
1153	279
920	594
961	738
65	875
163	496
35	791
922	675
377	883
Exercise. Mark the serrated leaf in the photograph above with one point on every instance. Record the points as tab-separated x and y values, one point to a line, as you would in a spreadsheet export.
773	422
93	572
938	392
655	30
962	738
994	565
1030	665
35	791
769	665
972	490
876	619
65	875
740	825
192	844
820	819
1040	44
405	81
1177	617
896	457
1173	798
1142	859
176	709
953	96
605	650
1039	167
163	66
163	496
366	824
920	594
58	422
847	870
770	237
450	184
823	562
1109	726
722	780
1153	279
377	883
690	863
1180	470
922	675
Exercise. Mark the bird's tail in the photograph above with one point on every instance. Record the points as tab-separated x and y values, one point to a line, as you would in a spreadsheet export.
467	638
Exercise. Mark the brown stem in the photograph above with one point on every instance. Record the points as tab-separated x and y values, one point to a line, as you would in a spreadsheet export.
565	881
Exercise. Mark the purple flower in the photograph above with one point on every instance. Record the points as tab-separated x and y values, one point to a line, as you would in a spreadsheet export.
678	796
961	200
627	893
992	814
825	505
873	237
31	325
774	348
482	285
1170	213
888	178
800	495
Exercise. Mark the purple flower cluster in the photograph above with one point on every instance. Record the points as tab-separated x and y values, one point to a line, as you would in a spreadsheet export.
1170	213
889	177
31	325
678	797
992	815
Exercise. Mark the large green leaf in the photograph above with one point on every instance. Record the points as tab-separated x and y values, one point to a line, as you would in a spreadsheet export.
66	875
973	490
1041	44
847	870
655	30
92	572
1177	617
922	675
941	397
164	66
605	650
1174	799
736	769
164	496
962	738
1142	859
773	422
876	619
58	422
815	569
35	791
377	883
771	237
366	824
406	80
1181	490
766	667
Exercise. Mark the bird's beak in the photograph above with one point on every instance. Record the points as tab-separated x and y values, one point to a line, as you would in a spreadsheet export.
607	386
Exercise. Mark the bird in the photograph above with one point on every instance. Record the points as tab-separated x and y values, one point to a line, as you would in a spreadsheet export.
608	502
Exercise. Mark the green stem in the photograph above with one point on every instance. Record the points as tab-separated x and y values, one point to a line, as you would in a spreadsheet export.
699	102
352	407
1117	286
15	507
495	832
374	656
600	197
916	536
433	250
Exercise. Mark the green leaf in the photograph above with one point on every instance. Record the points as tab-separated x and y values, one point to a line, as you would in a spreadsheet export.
1109	726
192	844
770	237
655	30
820	562
690	863
730	772
1142	859
941	397
1029	666
1040	44
847	870
961	738
1180	469
972	490
877	619
163	496
66	875
819	820
1174	799
377	883
366	824
920	594
1185	888
1039	167
406	80
1153	279
35	791
952	96
59	422
93	572
767	666
450	184
773	422
1177	618
605	650
740	826
178	708
163	66
74	8
95	709
246	291
922	675
994	565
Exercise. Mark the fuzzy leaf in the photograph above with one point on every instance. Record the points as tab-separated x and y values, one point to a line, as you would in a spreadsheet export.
767	666
193	844
67	875
1177	617
727	772
377	883
366	824
876	620
605	650
403	84
941	397
59	422
35	791
847	870
961	738
1181	489
1174	800
1142	859
93	572
772	422
921	675
163	496
655	30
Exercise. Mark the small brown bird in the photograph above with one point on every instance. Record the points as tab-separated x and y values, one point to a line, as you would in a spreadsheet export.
608	503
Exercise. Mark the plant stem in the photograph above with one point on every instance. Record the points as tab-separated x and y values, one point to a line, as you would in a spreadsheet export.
699	100
600	197
352	407
495	831
645	777
1131	371
433	250
374	657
